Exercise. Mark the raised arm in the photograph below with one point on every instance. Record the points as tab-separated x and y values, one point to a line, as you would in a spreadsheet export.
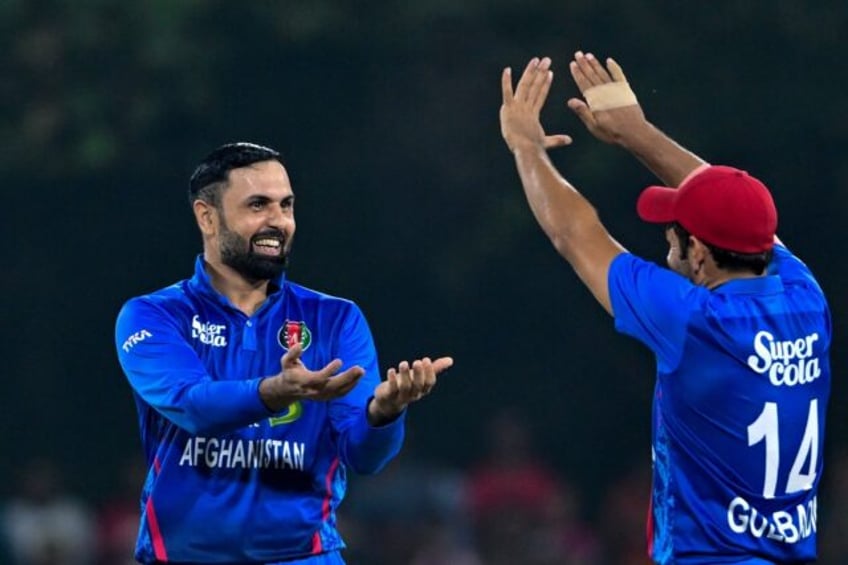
611	112
568	219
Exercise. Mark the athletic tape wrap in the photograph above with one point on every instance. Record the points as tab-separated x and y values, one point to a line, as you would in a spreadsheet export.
610	95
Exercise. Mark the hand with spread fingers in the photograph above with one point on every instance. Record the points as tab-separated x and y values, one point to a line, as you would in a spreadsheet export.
720	226
256	396
610	110
404	385
296	382
520	125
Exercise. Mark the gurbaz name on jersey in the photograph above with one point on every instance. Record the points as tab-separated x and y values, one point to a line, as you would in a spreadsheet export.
222	453
780	526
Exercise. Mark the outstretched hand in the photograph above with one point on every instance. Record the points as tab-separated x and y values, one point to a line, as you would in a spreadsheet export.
519	113
296	382
403	385
610	110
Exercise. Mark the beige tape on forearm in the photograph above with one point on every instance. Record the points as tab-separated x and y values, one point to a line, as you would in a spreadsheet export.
610	95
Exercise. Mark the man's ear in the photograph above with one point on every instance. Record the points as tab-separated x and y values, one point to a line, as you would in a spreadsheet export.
207	217
698	251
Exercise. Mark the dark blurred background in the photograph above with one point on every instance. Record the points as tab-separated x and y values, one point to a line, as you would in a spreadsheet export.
408	203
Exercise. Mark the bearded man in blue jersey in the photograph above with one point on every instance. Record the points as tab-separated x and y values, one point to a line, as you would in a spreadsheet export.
255	395
739	326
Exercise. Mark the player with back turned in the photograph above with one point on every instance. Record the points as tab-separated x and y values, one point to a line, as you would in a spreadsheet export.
255	395
739	327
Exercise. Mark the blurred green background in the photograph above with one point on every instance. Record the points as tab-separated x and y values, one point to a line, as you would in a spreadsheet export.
408	202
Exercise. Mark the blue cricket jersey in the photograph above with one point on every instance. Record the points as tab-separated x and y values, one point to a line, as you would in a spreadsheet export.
743	379
228	481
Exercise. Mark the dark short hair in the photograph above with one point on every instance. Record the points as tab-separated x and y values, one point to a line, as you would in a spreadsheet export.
724	258
211	174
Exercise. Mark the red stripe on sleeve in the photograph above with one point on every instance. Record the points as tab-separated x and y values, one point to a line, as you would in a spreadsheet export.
325	510
155	534
317	546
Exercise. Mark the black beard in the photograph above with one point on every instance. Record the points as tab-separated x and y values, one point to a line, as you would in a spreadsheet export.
236	253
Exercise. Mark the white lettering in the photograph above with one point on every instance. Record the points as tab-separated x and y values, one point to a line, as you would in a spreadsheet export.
787	362
208	333
758	531
238	456
780	526
225	453
299	450
212	452
790	375
251	455
762	352
276	444
287	460
787	529
812	370
186	458
244	454
198	448
135	338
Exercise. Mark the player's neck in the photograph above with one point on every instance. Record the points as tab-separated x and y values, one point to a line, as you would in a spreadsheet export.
244	294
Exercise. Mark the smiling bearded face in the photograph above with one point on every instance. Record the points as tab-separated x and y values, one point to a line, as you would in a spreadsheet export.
264	257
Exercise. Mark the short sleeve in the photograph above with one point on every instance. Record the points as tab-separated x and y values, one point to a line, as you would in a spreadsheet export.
653	305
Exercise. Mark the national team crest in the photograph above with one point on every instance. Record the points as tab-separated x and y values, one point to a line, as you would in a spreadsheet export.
294	332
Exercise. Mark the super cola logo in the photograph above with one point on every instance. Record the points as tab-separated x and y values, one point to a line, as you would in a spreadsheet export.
787	362
208	333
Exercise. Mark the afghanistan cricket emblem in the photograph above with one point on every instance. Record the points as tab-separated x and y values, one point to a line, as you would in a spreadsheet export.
294	332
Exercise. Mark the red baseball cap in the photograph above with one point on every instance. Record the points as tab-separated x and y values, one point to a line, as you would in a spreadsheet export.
719	205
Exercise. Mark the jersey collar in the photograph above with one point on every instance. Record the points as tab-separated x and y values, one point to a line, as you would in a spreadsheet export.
768	284
203	283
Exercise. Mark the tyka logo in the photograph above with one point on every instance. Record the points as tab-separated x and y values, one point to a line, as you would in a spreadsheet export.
294	332
208	333
137	337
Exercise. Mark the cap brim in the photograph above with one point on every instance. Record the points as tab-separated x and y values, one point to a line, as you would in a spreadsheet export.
656	204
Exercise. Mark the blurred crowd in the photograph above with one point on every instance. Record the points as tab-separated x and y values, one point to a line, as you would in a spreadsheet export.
510	507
